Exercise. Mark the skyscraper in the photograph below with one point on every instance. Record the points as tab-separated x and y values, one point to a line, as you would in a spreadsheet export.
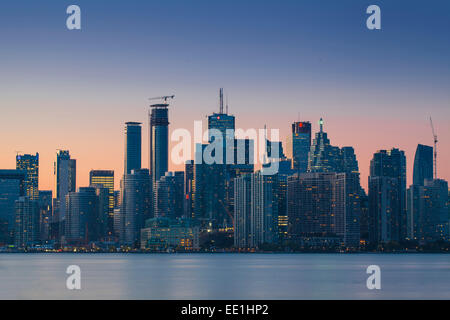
45	213
188	188
159	140
221	121
242	211
27	222
324	209
301	144
105	178
387	196
169	195
11	189
423	164
323	157
209	191
133	145
349	162
264	209
210	180
85	215
255	210
66	181
428	212
30	164
135	206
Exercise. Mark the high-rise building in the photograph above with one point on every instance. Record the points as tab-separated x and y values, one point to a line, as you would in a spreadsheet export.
169	195
349	162
83	217
188	189
159	140
255	210
133	146
105	178
135	206
66	181
221	121
323	157
324	209
242	211
209	192
301	144
283	221
387	196
264	209
12	187
428	212
30	164
45	214
423	164
27	222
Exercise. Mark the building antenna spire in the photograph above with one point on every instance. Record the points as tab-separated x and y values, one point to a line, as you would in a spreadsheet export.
227	103
321	124
221	100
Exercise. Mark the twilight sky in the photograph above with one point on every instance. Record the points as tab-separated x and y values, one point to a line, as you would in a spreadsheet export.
279	61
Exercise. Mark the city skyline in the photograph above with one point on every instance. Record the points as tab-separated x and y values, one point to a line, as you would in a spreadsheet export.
280	64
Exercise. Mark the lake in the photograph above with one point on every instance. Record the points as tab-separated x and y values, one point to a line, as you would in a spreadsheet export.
224	276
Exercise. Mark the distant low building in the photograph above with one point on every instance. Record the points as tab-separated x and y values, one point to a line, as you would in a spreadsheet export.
164	233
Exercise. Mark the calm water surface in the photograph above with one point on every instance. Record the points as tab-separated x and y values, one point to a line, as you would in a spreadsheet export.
225	276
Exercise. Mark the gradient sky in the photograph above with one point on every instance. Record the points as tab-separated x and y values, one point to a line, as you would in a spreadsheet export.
279	61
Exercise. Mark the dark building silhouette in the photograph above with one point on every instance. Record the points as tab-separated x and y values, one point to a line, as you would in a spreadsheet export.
301	144
135	206
87	215
423	164
66	181
26	223
188	189
105	178
12	187
45	214
133	146
159	141
323	157
169	195
324	209
30	164
387	196
428	211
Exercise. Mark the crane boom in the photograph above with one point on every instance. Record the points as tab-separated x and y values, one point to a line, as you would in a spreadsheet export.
165	98
435	140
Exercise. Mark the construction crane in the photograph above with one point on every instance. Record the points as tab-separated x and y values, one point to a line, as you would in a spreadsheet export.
435	148
227	211
164	98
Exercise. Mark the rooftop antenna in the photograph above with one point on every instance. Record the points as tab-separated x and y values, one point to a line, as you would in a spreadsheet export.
227	103
221	100
435	139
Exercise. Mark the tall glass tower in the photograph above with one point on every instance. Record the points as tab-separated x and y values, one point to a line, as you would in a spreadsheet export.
66	179
30	164
133	142
301	143
159	140
423	164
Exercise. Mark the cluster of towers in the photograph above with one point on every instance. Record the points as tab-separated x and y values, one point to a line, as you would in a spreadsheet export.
314	199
